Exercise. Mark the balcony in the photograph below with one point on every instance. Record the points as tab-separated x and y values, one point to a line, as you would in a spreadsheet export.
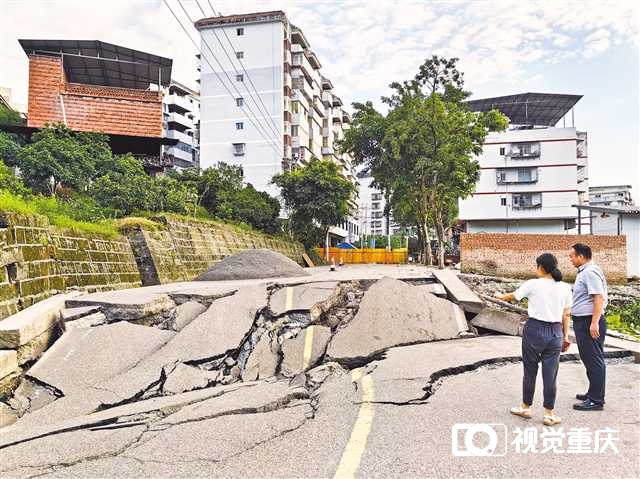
179	135
517	176
527	201
178	153
523	151
181	119
181	102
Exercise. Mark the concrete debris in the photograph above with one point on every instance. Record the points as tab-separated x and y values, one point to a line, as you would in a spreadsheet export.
505	322
316	298
188	378
26	325
140	305
89	321
187	312
8	362
393	313
70	314
458	291
433	288
8	415
87	357
253	264
304	351
263	361
31	396
319	375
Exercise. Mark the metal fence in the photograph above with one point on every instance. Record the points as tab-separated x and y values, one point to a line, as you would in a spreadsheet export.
366	255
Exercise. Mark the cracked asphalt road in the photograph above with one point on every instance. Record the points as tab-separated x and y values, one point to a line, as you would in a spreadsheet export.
413	396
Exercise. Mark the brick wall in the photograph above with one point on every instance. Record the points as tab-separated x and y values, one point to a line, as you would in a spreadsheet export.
121	111
514	255
186	248
38	260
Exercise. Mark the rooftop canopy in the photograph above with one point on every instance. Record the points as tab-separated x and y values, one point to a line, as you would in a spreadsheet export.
93	62
529	108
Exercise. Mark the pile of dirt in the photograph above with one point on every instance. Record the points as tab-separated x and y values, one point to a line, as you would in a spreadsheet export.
253	264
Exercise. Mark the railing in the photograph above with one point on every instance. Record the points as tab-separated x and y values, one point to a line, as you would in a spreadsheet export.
366	255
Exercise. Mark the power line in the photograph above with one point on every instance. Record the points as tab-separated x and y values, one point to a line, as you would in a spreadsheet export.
235	53
270	142
225	72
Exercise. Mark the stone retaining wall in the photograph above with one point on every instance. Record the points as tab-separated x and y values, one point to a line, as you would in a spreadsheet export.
514	255
38	260
185	248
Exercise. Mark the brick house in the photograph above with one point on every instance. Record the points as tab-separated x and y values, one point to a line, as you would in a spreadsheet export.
95	86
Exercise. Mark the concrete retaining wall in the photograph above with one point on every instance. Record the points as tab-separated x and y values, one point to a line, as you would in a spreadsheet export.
514	255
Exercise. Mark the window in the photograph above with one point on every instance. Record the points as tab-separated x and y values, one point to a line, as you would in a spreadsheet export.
239	125
503	201
376	196
295	107
239	77
501	177
238	149
240	55
375	206
294	130
239	31
527	200
524	175
502	151
239	101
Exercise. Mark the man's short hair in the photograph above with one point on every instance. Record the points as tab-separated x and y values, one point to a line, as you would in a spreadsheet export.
582	249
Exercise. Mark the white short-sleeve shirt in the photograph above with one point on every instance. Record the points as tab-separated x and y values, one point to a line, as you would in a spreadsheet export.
547	298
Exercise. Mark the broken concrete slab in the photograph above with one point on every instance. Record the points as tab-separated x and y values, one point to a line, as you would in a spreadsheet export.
433	288
8	415
188	378
8	362
263	361
165	405
70	314
220	329
31	322
89	321
126	305
87	357
260	397
304	351
187	312
458	291
313	297
393	313
35	347
30	396
504	322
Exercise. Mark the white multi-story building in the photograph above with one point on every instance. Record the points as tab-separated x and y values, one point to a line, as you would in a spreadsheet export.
618	195
532	174
181	120
371	208
265	104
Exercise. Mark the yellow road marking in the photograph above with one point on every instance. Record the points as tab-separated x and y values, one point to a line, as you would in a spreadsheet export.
352	454
308	348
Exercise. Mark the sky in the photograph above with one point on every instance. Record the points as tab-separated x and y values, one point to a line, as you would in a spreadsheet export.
585	47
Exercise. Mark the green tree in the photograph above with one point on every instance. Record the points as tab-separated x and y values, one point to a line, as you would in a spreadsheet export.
423	150
9	117
255	208
9	148
58	157
317	196
9	182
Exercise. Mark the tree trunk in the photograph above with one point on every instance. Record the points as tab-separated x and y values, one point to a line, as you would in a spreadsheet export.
440	234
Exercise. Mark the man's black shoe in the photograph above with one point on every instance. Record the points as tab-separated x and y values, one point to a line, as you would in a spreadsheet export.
588	405
581	397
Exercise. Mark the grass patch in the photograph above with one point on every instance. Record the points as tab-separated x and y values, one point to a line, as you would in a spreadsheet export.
128	223
625	319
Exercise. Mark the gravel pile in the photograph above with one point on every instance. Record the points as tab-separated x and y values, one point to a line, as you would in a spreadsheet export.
253	264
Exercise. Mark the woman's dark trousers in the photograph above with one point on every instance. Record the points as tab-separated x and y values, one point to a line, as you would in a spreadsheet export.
541	342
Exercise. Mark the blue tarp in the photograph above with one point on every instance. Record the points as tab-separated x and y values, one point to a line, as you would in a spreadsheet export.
346	246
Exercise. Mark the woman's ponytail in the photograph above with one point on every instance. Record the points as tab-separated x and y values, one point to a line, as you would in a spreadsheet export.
549	264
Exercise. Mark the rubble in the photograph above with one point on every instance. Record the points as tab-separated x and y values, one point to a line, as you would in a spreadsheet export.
505	322
263	361
305	350
393	313
253	264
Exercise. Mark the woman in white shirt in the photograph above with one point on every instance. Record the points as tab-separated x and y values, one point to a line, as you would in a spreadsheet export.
545	335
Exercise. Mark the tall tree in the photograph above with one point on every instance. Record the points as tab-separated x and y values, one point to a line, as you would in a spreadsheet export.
425	154
317	197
